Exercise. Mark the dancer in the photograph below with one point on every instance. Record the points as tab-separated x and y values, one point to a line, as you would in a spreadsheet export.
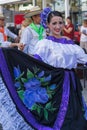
43	93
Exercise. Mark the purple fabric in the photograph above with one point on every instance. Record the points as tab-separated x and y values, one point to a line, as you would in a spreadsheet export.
23	110
60	40
86	63
73	79
37	57
64	103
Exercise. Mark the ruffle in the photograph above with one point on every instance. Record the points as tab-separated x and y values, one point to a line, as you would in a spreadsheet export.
9	117
60	40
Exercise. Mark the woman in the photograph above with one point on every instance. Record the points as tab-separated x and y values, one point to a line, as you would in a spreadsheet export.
61	52
68	30
46	93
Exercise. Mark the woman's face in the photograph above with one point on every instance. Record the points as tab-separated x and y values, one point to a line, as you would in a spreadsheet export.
56	25
68	21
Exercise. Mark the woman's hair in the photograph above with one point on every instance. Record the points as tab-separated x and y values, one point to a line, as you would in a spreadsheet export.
52	14
69	17
84	21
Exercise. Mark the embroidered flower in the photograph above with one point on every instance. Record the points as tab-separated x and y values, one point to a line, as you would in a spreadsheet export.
35	90
39	95
17	72
41	74
53	86
32	84
17	84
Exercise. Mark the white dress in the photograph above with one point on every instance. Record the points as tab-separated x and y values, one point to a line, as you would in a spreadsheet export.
60	55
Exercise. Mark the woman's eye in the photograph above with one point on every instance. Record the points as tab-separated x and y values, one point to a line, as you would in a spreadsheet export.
54	23
60	22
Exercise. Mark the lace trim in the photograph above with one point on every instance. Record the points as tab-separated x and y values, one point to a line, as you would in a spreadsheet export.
9	117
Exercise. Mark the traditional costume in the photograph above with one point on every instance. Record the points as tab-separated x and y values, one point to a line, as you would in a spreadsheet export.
42	96
33	33
42	92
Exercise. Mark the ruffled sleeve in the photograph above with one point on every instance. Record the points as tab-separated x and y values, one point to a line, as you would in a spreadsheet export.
81	55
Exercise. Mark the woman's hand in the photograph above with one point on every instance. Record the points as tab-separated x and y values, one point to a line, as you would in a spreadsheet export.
20	46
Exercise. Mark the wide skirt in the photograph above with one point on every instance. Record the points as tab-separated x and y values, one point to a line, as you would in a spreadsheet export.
37	96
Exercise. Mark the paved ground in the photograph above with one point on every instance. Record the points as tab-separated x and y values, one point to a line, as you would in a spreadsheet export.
84	89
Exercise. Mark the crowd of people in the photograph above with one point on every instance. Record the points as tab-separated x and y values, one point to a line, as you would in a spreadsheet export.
40	75
5	33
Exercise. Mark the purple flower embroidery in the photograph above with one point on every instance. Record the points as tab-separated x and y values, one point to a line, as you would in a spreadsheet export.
35	90
17	72
17	84
39	95
41	74
32	84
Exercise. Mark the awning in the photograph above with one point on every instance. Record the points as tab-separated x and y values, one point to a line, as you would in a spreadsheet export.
2	2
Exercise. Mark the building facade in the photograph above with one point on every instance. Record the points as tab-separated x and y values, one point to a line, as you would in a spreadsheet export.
77	9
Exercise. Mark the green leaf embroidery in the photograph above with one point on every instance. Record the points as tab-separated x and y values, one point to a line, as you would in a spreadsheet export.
18	78
29	74
20	93
23	80
46	114
48	105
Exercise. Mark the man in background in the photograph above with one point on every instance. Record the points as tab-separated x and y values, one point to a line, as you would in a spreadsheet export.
5	33
34	32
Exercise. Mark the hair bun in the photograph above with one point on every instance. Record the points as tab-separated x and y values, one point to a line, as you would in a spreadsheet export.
44	15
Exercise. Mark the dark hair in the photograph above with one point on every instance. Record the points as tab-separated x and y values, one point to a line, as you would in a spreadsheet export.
69	17
52	14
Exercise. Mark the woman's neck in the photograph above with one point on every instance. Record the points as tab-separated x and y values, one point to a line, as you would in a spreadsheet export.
57	36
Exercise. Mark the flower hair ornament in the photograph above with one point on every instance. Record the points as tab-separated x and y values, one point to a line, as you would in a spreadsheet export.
44	15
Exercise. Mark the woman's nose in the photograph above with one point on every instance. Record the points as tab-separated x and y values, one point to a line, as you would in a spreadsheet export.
58	25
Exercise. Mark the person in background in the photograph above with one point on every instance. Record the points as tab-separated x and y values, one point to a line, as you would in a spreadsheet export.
77	35
62	53
68	30
24	24
83	37
4	33
34	32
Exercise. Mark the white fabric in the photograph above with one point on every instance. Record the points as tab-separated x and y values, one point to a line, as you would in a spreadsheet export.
2	42
9	117
29	38
8	33
83	37
60	55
